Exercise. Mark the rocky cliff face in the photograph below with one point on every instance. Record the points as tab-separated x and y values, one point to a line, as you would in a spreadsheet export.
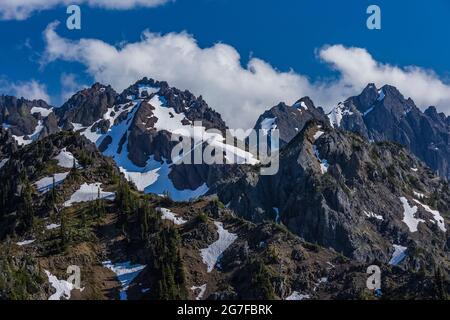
27	120
385	115
341	201
343	192
135	246
289	120
86	107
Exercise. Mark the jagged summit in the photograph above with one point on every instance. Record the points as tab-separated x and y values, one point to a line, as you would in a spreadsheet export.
289	120
338	203
384	114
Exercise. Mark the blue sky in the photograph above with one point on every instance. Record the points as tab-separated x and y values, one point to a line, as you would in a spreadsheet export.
285	34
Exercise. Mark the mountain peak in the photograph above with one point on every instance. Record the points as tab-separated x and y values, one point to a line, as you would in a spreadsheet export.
305	103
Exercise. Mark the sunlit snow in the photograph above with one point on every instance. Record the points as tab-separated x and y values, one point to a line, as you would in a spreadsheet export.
66	159
169	215
45	184
323	162
436	215
25	243
63	288
212	254
408	215
42	111
89	192
298	296
32	137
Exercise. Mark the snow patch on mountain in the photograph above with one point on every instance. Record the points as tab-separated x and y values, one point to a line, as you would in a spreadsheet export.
26	140
63	288
298	296
89	192
52	226
408	215
169	215
66	159
42	111
436	215
370	214
323	162
318	133
212	254
170	121
25	242
337	114
398	255
46	184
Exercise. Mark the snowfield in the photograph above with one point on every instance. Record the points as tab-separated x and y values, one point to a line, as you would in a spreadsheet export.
63	288
46	184
89	192
323	162
42	111
398	255
408	215
25	243
169	215
126	273
32	137
154	176
212	254
318	134
66	159
52	226
297	296
436	215
337	114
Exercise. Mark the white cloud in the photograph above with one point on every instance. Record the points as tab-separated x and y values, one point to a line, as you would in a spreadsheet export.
69	86
31	90
357	68
22	9
230	88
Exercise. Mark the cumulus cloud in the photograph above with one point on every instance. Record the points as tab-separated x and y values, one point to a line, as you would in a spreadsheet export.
31	90
239	93
22	9
69	86
357	68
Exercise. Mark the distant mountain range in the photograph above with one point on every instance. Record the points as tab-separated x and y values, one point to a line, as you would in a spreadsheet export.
364	184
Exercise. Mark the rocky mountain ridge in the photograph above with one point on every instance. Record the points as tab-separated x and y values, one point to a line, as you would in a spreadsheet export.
340	201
